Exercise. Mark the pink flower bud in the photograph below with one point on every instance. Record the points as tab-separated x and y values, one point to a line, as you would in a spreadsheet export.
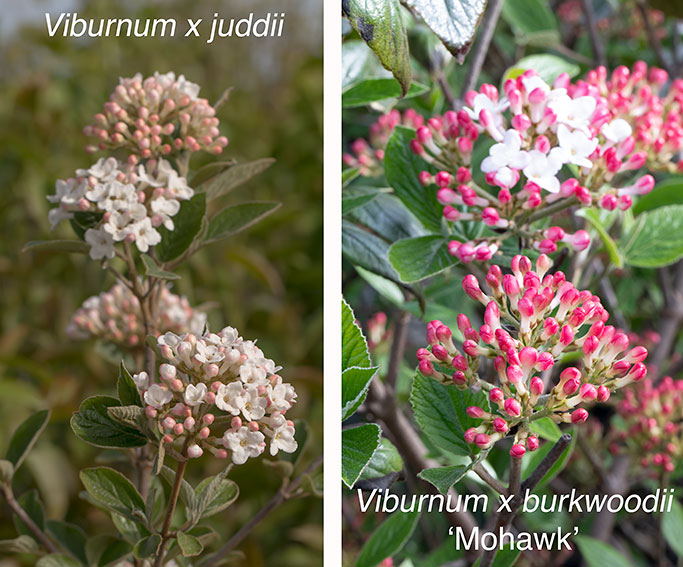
588	392
189	423
603	394
150	412
536	386
476	412
470	434
194	451
515	374
460	363
512	407
517	451
178	429
482	441
236	422
532	442
496	395
500	425
459	378
440	352
471	287
579	416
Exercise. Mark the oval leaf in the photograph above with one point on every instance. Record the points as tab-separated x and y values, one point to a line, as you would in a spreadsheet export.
598	554
388	539
234	176
237	218
92	424
189	545
358	446
68	246
25	437
355	384
127	390
188	223
655	238
113	491
416	259
375	90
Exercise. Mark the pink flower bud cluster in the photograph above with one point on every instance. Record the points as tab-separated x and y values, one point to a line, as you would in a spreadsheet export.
115	316
642	98
538	130
378	332
129	202
653	415
531	319
156	116
367	155
218	392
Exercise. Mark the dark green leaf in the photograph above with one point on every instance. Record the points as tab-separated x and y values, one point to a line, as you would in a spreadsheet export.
147	546
113	491
445	477
31	504
655	238
71	537
127	390
25	437
388	539
364	249
402	168
82	221
357	62
546	429
532	22
454	21
668	192
235	176
593	217
598	554
672	527
355	384
506	557
189	545
92	424
188	223
354	347
441	413
375	90
131	530
348	175
113	553
153	270
349	203
237	218
385	461
68	246
416	259
388	218
358	446
380	25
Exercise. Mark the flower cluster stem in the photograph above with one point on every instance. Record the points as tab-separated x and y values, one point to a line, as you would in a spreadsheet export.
173	500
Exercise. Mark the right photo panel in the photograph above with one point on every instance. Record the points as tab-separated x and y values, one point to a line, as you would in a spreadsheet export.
512	235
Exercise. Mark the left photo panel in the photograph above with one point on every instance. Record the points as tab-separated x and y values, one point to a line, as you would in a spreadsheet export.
161	266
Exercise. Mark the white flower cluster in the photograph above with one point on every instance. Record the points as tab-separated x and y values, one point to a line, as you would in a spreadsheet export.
115	316
216	378
128	203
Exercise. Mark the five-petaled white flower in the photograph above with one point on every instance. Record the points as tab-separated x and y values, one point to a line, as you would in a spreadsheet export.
194	395
101	243
158	396
283	440
243	444
229	398
543	169
573	112
616	131
576	145
507	153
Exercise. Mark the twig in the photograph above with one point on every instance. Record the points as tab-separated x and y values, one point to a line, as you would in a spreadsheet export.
172	501
446	89
616	482
515	475
493	482
672	316
652	37
398	347
481	45
39	534
596	42
283	494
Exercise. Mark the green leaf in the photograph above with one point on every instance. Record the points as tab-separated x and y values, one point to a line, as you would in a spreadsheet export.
355	384
25	437
402	169
506	557
357	61
453	21
131	530
380	24
387	217
147	546
237	218
209	171
598	554
445	477
71	537
672	527
187	494
68	246
441	413
348	175
21	544
153	270
82	221
532	460
375	90
416	259
668	192
358	446
6	471
127	390
188	224
93	424
385	461
364	249
611	247
31	504
57	560
532	22
214	495
354	347
189	545
655	238
113	491
388	539
546	65
234	176
113	553
546	429
349	203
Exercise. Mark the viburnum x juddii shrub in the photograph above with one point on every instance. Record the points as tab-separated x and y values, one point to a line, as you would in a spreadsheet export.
192	391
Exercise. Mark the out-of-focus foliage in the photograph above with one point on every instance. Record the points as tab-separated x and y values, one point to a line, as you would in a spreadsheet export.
266	281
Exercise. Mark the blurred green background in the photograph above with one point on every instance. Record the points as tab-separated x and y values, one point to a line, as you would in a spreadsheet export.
267	282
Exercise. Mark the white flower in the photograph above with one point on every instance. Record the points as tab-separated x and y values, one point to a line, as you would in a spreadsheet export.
253	374
194	395
145	234
229	398
208	353
104	169
157	396
57	215
170	340
573	112
542	169
533	82
253	405
67	192
141	380
482	102
577	145
243	444
101	243
282	397
120	224
617	130
165	209
283	440
508	153
114	196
